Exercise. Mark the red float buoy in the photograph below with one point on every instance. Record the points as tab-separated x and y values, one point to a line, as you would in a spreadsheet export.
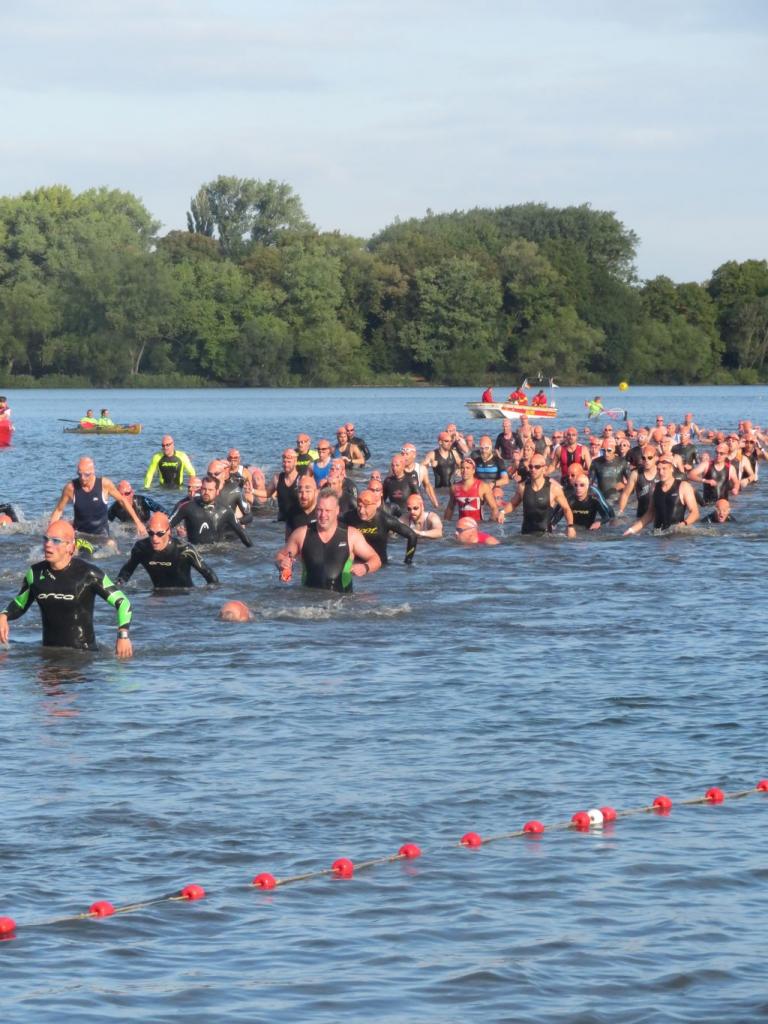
343	867
663	804
193	892
409	850
471	839
762	786
7	926
264	881
533	828
609	813
715	795
101	908
581	820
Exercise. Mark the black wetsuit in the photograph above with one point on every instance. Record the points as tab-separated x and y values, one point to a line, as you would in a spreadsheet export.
304	463
722	485
491	471
643	491
506	446
712	518
90	509
602	508
206	523
635	456
171	567
537	514
668	509
397	491
66	597
376	531
687	453
585	511
607	475
445	468
327	566
231	494
8	510
143	506
300	518
287	497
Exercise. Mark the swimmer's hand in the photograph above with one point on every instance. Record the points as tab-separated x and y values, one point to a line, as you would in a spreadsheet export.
596	525
141	531
4	631
124	647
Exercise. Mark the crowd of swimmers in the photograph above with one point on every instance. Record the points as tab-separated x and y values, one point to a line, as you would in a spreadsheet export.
338	514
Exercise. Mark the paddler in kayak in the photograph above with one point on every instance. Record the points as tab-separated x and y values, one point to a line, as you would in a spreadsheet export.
89	421
169	464
105	420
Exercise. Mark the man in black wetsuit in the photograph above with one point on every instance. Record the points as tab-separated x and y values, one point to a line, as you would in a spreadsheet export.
8	510
284	486
539	496
375	525
143	505
88	494
169	562
65	588
673	502
206	520
328	551
609	472
398	485
444	460
721	513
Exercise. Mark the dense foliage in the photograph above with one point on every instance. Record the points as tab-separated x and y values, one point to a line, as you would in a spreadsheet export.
253	294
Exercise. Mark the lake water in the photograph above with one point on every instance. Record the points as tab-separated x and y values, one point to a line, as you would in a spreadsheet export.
475	690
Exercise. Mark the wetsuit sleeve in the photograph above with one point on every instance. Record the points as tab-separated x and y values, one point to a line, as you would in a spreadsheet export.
152	469
112	514
606	511
186	465
179	515
112	594
192	555
231	520
152	505
23	599
130	566
395	526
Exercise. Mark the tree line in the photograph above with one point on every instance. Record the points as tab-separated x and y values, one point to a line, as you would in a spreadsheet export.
253	294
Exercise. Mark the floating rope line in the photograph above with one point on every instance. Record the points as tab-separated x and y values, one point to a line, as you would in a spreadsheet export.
343	867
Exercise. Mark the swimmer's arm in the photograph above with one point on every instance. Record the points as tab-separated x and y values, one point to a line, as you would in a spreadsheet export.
628	490
448	514
735	485
486	493
18	606
127	504
105	588
232	521
435	531
395	526
689	500
152	468
560	499
360	549
640	524
272	486
356	457
130	567
193	556
292	548
67	495
511	505
429	488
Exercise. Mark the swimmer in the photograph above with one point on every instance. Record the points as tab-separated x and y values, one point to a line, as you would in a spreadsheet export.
470	495
424	524
206	520
673	502
359	442
418	472
721	513
573	452
235	611
88	494
398	485
306	503
169	464
321	467
168	562
375	525
641	482
304	455
338	481
143	505
331	554
193	489
65	588
347	450
468	533
539	497
444	460
284	486
489	468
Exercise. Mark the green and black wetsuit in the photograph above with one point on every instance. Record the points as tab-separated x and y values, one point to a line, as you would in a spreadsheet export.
66	598
327	566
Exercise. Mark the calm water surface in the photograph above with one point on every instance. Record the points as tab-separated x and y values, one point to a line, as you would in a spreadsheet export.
475	690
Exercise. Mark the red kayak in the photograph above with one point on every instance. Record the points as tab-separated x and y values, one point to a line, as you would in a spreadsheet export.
6	432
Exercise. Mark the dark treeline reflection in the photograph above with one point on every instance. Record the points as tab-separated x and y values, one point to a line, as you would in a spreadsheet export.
253	294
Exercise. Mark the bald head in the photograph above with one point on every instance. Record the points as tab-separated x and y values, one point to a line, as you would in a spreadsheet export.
59	544
235	611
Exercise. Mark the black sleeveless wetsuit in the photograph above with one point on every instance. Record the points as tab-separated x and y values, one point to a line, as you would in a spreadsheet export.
65	598
397	491
537	514
444	468
722	486
171	567
91	512
287	497
585	511
667	506
327	566
376	531
643	491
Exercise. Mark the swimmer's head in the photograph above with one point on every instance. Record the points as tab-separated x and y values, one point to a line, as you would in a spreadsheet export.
468	466
722	510
289	460
408	451
466	530
327	509
303	442
350	429
397	464
209	488
340	466
219	470
86	468
485	445
306	492
124	488
341	435
367	505
159	530
574	472
59	543
581	486
444	438
324	449
166	443
235	611
415	506
193	486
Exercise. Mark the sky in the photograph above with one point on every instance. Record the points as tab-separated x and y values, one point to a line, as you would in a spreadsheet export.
376	110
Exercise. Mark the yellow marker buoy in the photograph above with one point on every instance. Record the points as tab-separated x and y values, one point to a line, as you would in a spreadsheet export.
623	386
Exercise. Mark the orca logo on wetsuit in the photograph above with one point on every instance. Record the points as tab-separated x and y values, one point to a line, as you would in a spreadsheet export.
159	563
58	597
